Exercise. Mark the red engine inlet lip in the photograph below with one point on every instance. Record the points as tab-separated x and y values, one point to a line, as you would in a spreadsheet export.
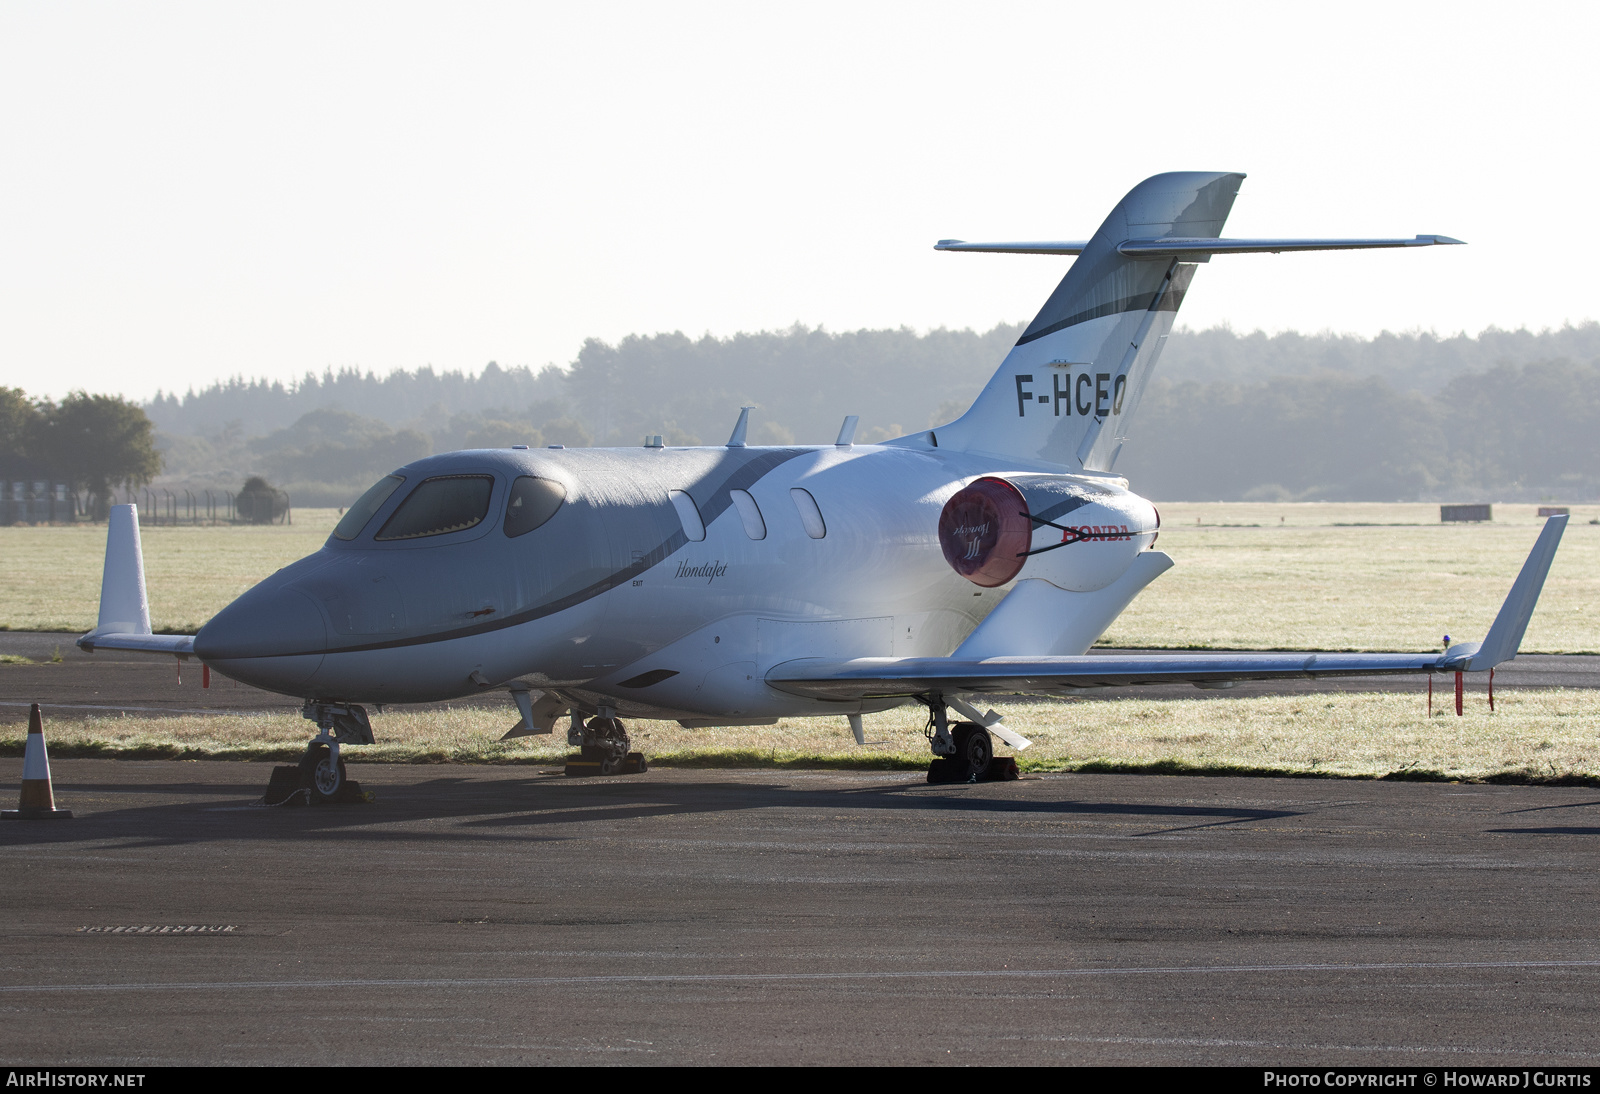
985	531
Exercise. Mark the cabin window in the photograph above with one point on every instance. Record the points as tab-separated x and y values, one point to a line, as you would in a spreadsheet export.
750	514
533	501
810	515
355	518
688	515
439	506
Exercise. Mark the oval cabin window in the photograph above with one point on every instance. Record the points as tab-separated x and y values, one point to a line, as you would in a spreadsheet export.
749	514
533	501
688	515
810	515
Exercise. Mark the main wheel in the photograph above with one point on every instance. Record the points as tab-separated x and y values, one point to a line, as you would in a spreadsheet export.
320	775
610	736
974	748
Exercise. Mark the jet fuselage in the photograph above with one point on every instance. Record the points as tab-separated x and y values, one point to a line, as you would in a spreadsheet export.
613	597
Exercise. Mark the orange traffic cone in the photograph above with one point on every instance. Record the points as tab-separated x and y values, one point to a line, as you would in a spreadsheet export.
38	800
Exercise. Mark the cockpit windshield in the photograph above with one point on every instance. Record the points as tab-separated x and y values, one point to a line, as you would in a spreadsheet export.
448	503
355	518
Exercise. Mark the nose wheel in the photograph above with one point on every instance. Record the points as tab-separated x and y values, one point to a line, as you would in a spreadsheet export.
322	774
319	778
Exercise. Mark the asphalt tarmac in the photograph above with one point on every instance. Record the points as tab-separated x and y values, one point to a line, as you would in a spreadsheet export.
108	682
505	915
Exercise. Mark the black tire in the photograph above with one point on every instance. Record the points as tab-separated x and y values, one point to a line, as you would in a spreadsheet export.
974	749
324	782
611	737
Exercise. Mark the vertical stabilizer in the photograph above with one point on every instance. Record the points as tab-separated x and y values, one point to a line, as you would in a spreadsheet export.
1065	392
124	608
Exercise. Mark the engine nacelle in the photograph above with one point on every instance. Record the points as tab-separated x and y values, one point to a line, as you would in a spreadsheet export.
1079	534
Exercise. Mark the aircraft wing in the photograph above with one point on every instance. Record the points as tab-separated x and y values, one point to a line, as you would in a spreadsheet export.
882	677
180	645
876	677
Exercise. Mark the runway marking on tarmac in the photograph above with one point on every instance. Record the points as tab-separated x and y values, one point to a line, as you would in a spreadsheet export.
751	977
235	712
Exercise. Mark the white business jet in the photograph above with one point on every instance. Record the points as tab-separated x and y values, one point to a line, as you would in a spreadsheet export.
737	585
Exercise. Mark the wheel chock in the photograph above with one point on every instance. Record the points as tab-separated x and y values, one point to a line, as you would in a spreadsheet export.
287	787
583	764
1002	769
947	770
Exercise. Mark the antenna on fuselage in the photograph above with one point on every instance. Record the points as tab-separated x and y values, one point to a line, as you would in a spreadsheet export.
737	440
847	431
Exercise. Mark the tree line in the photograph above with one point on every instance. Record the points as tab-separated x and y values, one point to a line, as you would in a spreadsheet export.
1503	415
91	443
1513	432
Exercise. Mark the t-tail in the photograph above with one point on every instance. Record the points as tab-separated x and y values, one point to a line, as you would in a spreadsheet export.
1066	392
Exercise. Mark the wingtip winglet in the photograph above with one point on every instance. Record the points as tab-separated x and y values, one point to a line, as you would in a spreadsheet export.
1505	635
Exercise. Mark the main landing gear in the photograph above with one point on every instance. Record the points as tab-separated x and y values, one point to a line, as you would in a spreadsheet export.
602	745
963	752
319	778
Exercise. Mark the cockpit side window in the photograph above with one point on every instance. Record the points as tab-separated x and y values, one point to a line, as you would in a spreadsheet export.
355	518
533	501
438	506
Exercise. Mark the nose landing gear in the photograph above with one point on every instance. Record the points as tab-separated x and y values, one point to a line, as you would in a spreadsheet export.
319	778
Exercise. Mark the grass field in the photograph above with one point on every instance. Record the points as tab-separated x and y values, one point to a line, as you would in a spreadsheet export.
1248	576
1532	736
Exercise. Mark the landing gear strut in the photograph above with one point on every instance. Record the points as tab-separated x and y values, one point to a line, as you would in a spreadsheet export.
603	745
963	751
319	778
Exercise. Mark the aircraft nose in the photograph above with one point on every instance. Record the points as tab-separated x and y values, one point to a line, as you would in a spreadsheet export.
267	621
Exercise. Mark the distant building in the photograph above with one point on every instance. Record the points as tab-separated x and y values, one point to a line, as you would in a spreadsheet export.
1466	512
31	493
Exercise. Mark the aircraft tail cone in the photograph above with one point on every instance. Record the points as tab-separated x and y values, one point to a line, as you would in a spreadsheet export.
38	801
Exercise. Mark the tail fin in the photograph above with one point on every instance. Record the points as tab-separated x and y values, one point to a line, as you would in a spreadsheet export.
1066	391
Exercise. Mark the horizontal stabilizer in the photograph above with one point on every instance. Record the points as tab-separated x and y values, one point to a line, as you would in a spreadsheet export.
1190	250
1043	247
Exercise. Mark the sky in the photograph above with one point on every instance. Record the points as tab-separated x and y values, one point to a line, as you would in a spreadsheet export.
191	191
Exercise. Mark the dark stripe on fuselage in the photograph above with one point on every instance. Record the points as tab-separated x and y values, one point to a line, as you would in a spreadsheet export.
1145	301
742	477
1061	508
